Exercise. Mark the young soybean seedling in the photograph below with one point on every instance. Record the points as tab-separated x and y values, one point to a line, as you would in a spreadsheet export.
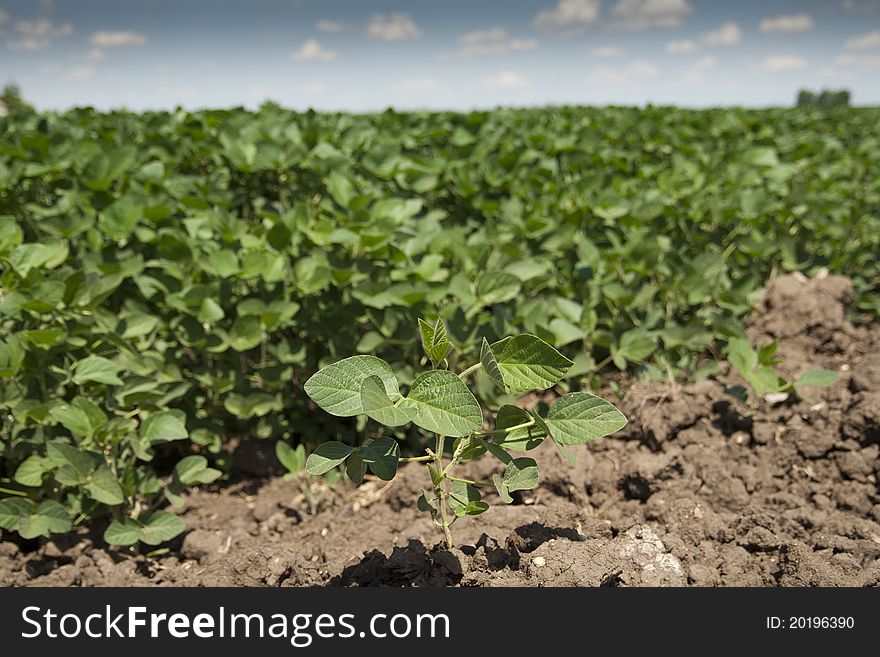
439	401
758	369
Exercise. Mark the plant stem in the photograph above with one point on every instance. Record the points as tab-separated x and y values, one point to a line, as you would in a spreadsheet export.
472	368
479	484
501	432
440	491
9	491
427	457
602	363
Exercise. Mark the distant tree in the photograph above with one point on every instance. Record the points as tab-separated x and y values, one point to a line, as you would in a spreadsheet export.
825	98
11	100
806	98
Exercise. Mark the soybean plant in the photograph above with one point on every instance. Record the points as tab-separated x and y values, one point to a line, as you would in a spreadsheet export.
440	401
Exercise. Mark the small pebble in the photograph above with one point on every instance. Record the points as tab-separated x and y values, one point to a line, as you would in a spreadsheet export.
539	561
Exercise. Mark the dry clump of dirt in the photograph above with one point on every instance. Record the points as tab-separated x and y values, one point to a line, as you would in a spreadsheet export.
698	490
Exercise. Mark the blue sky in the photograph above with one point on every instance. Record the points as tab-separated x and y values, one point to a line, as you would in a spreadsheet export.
362	55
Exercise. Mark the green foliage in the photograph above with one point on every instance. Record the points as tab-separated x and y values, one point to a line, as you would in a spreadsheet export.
440	402
293	459
168	280
825	98
12	101
758	369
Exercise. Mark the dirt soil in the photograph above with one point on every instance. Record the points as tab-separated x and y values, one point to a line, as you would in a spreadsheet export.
698	490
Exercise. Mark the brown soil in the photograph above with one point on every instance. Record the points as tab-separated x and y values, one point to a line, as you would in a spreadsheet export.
698	490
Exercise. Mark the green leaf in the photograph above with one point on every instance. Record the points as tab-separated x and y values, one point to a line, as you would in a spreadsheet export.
436	477
120	218
435	340
193	470
468	448
501	487
74	465
123	531
97	369
817	378
327	456
741	355
497	286
464	499
525	362
210	311
765	380
579	417
439	401
634	346
498	452
340	188
382	456
292	459
73	419
767	354
161	526
565	332
246	333
521	474
163	427
30	471
425	503
12	509
355	467
224	262
48	518
104	487
377	405
46	338
256	404
337	387
96	417
490	364
520	440
10	233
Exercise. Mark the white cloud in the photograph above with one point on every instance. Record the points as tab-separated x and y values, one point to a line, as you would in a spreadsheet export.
641	68
4	17
643	14
494	41
644	68
789	23
607	51
728	34
79	73
325	25
684	46
851	5
864	41
396	26
124	39
31	36
783	62
505	80
414	84
868	62
94	55
568	16
313	88
311	51
700	68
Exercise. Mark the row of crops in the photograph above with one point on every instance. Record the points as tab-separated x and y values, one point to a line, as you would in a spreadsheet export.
169	280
